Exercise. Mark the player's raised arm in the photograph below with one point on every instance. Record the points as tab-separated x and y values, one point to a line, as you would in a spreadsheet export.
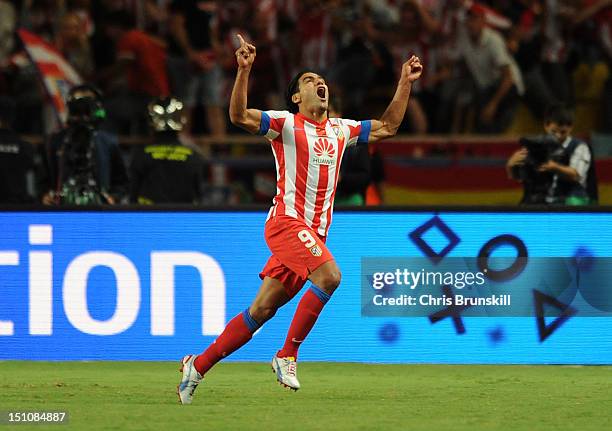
390	121
248	119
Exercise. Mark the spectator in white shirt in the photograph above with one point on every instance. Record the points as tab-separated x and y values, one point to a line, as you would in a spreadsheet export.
494	72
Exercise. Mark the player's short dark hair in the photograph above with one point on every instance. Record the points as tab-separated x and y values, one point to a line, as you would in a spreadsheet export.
294	87
560	114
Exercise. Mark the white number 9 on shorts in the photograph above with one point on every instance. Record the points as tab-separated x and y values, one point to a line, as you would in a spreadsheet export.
306	237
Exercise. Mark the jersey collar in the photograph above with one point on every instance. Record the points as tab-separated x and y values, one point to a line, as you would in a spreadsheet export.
311	121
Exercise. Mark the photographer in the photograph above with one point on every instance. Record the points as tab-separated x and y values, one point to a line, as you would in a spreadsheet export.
555	168
85	164
166	171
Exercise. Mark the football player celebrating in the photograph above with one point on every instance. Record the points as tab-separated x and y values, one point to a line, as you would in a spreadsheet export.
308	148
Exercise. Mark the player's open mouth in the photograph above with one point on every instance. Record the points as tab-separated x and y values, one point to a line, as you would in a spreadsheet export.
322	93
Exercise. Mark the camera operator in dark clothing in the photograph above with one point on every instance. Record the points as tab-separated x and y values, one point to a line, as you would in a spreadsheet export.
555	168
85	164
16	159
166	171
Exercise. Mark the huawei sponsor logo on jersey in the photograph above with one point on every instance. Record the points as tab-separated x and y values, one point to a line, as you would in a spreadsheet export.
324	153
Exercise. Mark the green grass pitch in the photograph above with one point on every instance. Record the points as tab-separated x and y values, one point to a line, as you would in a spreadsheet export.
334	396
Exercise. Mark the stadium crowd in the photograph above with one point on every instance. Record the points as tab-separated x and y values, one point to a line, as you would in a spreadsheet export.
482	58
135	50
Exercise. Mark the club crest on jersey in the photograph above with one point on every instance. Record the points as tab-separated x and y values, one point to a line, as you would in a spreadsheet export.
316	251
324	153
338	132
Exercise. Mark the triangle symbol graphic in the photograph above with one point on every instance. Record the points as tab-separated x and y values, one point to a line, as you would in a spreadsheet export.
546	330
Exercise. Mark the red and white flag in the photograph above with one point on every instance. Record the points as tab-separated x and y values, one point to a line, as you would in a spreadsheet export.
56	74
492	17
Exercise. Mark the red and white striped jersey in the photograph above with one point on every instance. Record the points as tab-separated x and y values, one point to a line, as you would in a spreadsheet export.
308	156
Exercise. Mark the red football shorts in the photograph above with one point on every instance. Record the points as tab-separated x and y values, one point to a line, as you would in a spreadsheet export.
297	250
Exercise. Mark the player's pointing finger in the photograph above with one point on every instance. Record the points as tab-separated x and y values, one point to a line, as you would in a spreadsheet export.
241	40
